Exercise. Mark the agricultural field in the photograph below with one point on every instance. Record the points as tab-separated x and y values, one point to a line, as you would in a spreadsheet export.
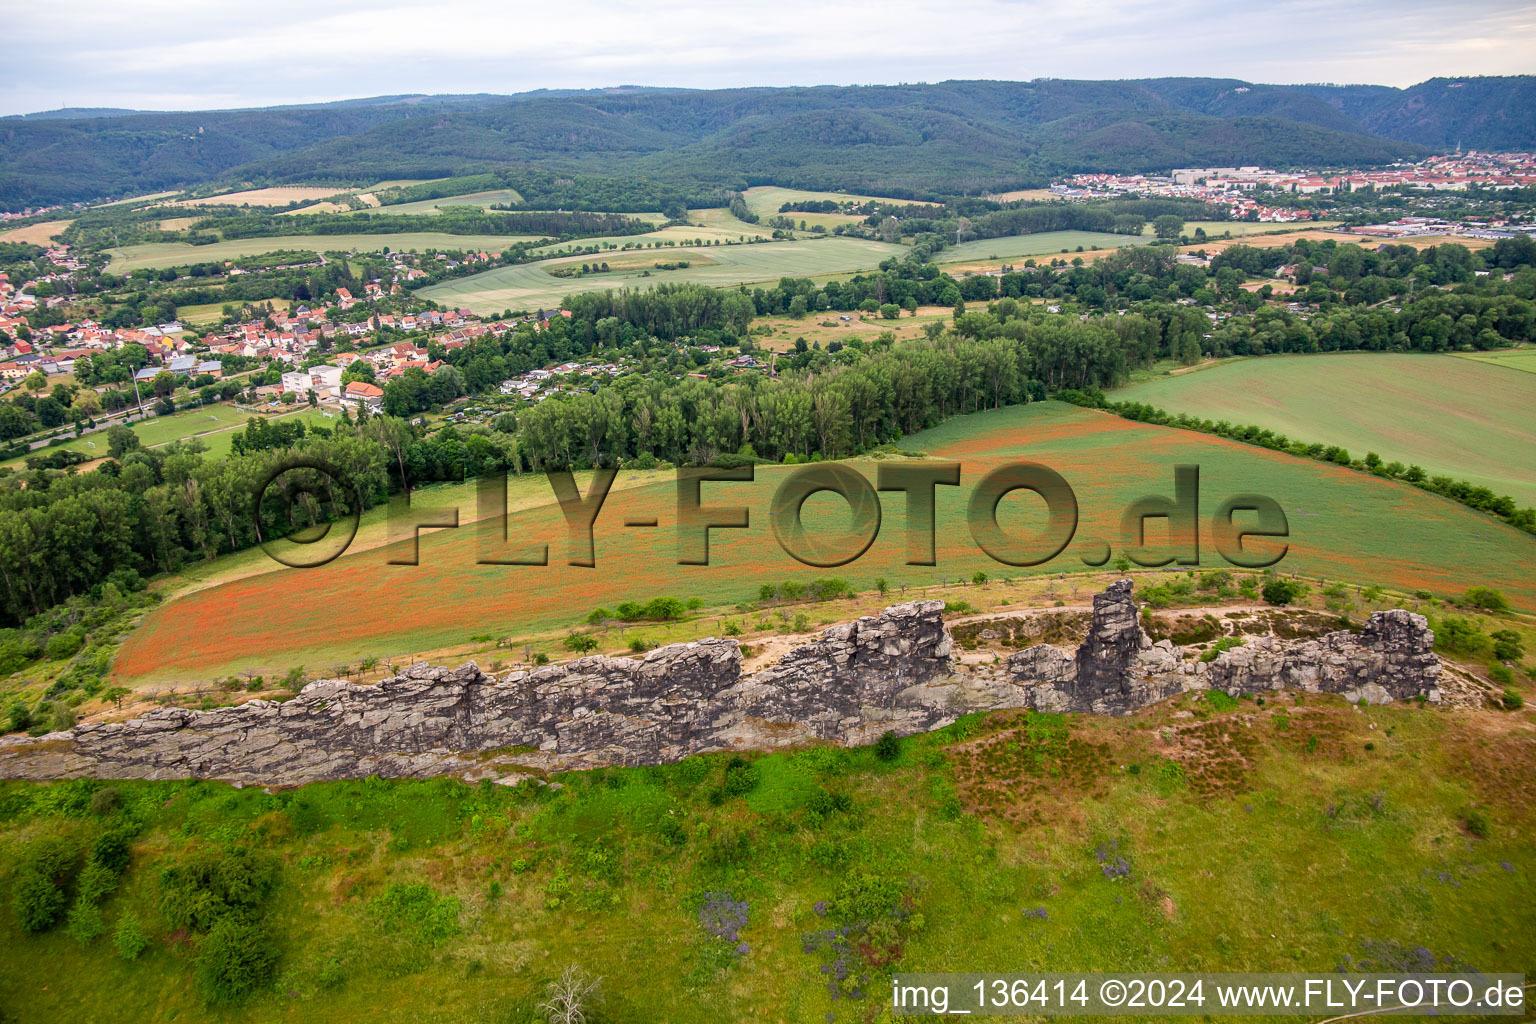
1454	417
765	200
778	333
703	227
1240	228
155	255
479	200
530	286
1514	359
1033	195
40	233
331	615
280	195
1040	244
1235	838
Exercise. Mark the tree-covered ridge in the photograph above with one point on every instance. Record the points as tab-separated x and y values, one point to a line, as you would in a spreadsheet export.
902	141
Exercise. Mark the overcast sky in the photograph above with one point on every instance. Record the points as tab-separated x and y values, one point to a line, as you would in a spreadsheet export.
171	54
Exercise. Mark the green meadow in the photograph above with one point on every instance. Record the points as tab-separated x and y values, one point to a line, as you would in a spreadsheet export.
155	255
1463	418
1042	243
530	286
1268	836
211	425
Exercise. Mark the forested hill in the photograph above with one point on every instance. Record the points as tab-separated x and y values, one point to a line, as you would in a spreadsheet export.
951	136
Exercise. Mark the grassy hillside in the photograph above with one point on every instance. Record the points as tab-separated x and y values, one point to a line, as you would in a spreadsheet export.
333	614
1457	417
1255	836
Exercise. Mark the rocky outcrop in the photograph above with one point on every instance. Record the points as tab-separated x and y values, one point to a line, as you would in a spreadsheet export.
858	680
889	672
1118	669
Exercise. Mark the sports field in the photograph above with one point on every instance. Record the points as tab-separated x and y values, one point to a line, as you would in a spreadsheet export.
1041	243
529	286
1457	417
1344	525
155	255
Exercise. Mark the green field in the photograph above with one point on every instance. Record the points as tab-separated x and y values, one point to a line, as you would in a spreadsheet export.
479	200
1514	359
214	423
1242	228
1042	243
155	255
528	286
1457	417
1344	525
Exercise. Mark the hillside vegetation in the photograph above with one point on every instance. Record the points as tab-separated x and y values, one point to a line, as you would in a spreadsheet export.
1211	835
900	141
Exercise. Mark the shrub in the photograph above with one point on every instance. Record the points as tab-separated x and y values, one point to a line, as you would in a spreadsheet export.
1226	643
1459	636
741	776
234	960
214	884
38	897
1506	645
864	897
1279	591
1220	700
433	917
639	644
1476	823
84	923
1512	700
581	643
887	747
1485	598
129	938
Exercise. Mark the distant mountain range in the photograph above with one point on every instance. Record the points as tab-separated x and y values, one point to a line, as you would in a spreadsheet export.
948	137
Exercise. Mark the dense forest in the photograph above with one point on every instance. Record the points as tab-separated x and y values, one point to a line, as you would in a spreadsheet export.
900	141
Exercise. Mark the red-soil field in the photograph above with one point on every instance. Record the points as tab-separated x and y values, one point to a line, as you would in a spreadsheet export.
1343	525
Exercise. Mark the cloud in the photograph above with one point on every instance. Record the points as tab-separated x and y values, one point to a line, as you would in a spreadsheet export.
152	54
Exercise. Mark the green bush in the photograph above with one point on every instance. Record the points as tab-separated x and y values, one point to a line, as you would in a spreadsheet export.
1485	598
233	961
1456	635
1512	700
864	897
214	884
415	904
887	747
129	938
38	894
741	776
1279	591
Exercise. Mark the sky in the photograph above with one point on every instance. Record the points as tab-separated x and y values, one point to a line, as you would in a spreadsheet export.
175	55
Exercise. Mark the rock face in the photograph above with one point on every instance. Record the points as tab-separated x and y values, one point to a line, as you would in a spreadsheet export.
1118	669
891	672
858	680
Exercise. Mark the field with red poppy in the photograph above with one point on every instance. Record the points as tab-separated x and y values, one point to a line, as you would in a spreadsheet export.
1343	526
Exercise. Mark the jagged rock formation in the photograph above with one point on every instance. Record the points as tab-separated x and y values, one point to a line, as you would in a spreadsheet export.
858	680
1118	669
893	671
